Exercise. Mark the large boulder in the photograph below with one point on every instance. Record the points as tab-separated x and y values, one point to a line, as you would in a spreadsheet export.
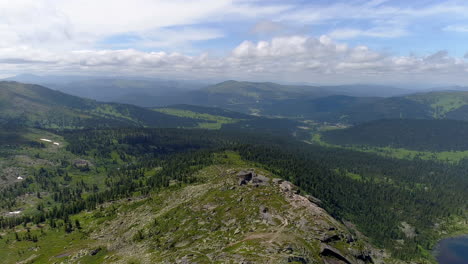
245	177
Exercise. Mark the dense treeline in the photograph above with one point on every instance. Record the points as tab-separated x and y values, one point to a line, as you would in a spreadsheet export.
374	192
350	110
415	134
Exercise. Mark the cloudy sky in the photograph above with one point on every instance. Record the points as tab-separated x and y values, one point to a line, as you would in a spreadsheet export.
315	41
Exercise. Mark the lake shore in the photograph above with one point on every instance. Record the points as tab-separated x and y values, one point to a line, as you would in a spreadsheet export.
453	250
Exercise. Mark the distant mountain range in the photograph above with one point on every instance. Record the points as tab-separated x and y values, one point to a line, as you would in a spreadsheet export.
333	104
324	105
150	92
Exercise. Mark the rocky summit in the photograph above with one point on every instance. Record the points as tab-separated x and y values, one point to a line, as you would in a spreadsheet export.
235	215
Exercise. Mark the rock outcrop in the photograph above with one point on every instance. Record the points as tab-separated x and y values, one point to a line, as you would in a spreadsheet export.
250	177
235	216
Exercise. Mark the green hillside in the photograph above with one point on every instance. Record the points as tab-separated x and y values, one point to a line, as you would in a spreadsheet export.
349	110
226	120
442	103
37	106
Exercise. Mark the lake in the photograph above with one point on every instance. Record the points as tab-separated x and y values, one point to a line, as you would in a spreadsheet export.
453	250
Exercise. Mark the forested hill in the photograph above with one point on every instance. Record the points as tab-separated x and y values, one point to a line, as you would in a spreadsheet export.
356	110
38	106
26	105
415	134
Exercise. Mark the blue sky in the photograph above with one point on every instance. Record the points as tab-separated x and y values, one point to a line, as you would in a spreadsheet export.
286	41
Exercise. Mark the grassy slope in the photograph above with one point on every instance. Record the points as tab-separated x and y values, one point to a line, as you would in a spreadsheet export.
207	121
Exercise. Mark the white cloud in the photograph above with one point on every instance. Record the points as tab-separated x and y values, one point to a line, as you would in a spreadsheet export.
374	11
165	38
294	58
378	18
65	36
348	33
69	24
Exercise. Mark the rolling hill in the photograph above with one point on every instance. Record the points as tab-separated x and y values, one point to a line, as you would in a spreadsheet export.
272	99
332	104
27	105
355	110
445	104
145	92
42	107
348	109
37	106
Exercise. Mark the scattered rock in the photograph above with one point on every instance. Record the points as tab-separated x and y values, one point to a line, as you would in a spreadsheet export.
328	238
350	238
286	186
366	257
265	215
95	251
313	199
297	260
408	230
260	180
277	181
82	164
